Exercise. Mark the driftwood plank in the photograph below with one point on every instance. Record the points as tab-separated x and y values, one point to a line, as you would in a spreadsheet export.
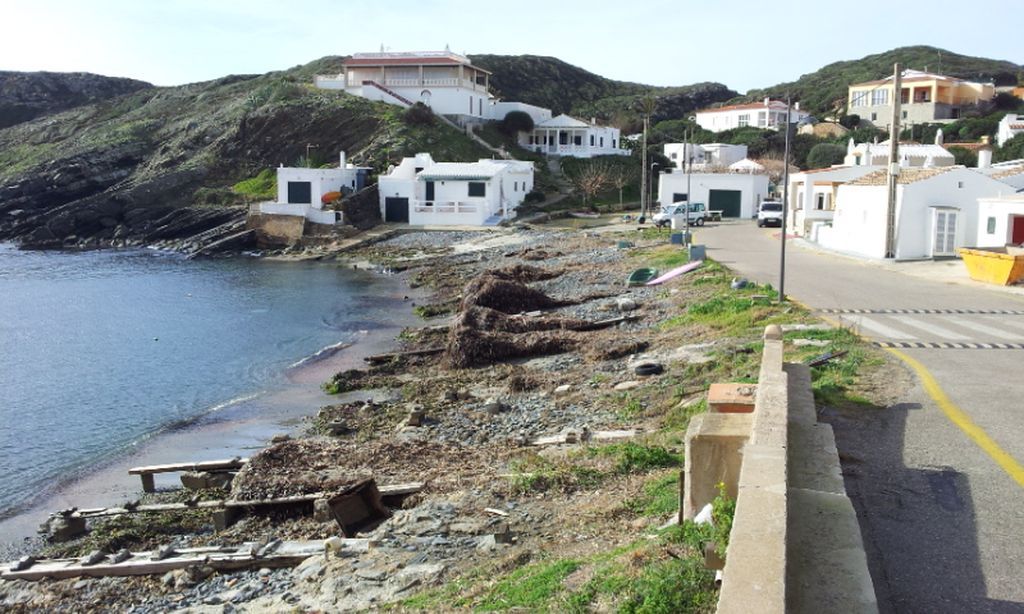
215	465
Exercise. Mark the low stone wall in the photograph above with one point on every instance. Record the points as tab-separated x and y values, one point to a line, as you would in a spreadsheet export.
276	230
795	544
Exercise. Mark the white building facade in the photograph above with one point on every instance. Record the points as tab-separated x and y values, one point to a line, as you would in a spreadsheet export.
704	155
568	136
302	191
768	115
812	196
446	82
736	195
936	212
420	191
1000	221
1010	126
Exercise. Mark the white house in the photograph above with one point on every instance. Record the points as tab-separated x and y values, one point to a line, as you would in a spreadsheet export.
421	191
446	82
812	196
1010	126
769	115
500	108
302	191
1000	221
704	155
734	194
910	154
568	136
936	212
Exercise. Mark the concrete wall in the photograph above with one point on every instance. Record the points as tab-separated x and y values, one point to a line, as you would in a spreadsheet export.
1001	212
754	188
795	544
275	230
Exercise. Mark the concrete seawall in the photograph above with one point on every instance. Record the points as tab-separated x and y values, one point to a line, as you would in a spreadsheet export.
795	544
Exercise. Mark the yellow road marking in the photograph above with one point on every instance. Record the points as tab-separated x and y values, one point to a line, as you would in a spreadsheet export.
960	418
952	411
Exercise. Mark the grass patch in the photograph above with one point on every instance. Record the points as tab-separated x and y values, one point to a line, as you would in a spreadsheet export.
666	257
534	473
261	187
433	310
529	587
660	496
636	458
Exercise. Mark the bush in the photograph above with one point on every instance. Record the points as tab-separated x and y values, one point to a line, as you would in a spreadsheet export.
418	114
534	196
824	155
964	156
1011	150
516	122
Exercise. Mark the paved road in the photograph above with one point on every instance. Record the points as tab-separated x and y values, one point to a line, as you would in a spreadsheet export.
943	522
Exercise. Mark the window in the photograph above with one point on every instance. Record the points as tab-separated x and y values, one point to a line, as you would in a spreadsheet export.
991	226
602	141
613	143
577	140
960	184
591	140
860	99
300	192
822	202
744	120
904	115
874	116
762	119
879	97
477	188
674	155
677	197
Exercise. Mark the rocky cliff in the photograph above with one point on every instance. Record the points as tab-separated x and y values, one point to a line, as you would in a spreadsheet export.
27	95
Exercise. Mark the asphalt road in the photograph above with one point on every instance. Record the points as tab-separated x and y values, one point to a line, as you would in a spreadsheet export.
943	522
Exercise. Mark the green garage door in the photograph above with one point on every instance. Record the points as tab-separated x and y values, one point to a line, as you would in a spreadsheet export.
726	201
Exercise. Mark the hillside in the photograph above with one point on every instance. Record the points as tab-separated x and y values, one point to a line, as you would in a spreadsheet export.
564	88
157	164
27	95
822	91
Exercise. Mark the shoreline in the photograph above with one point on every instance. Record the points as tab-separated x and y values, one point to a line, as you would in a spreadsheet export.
234	427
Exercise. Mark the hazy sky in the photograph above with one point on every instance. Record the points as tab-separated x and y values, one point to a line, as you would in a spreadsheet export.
741	43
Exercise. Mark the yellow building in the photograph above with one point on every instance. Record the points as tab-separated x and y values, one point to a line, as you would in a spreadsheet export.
925	97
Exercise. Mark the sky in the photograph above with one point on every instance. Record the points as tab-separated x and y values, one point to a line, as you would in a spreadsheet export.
740	43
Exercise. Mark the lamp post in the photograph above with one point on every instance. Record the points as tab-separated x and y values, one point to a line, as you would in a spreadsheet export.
654	188
688	166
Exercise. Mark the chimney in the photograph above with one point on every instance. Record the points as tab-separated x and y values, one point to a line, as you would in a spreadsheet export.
341	159
796	105
593	121
985	154
767	100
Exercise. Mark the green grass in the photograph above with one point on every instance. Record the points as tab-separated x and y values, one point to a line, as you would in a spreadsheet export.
432	310
660	496
529	587
637	458
261	187
534	473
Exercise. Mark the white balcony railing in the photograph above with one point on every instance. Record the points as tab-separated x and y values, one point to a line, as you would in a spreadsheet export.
420	206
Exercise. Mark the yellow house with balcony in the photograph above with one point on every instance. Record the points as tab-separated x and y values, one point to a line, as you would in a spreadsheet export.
925	97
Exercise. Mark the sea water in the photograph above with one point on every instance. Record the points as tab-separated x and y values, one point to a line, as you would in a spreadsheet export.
102	351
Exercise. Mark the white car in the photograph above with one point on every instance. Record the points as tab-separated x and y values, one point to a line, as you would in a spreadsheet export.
769	213
664	217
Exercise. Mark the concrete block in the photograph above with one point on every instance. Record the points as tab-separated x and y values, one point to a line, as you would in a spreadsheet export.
731	398
714	444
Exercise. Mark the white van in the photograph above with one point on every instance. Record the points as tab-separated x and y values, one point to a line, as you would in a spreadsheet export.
698	213
770	212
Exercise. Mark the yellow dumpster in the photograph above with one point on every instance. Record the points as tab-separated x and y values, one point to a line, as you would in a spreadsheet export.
994	265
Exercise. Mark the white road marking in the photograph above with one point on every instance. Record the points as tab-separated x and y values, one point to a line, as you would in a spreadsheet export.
877	329
998	333
942	333
1015	322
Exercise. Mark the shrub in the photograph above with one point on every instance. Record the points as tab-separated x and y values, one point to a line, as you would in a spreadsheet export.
964	156
824	155
1011	150
534	196
850	121
515	122
418	114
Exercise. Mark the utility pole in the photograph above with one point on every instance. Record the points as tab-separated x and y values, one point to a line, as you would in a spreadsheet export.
785	207
688	166
894	163
643	171
309	163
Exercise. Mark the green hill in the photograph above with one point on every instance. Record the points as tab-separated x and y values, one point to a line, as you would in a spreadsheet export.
824	90
564	88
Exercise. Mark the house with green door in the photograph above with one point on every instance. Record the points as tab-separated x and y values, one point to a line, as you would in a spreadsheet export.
734	194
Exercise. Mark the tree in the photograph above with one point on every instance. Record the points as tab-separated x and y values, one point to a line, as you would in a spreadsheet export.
590	178
824	155
850	121
622	175
418	114
1011	150
516	122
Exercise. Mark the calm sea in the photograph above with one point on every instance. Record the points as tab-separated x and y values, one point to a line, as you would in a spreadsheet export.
101	351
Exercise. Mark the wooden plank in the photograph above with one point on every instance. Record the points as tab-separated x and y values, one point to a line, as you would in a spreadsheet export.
386	357
214	465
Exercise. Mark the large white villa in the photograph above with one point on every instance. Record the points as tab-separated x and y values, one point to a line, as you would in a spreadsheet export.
423	192
452	87
769	115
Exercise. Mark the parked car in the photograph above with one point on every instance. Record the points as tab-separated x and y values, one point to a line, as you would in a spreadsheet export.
769	214
697	214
